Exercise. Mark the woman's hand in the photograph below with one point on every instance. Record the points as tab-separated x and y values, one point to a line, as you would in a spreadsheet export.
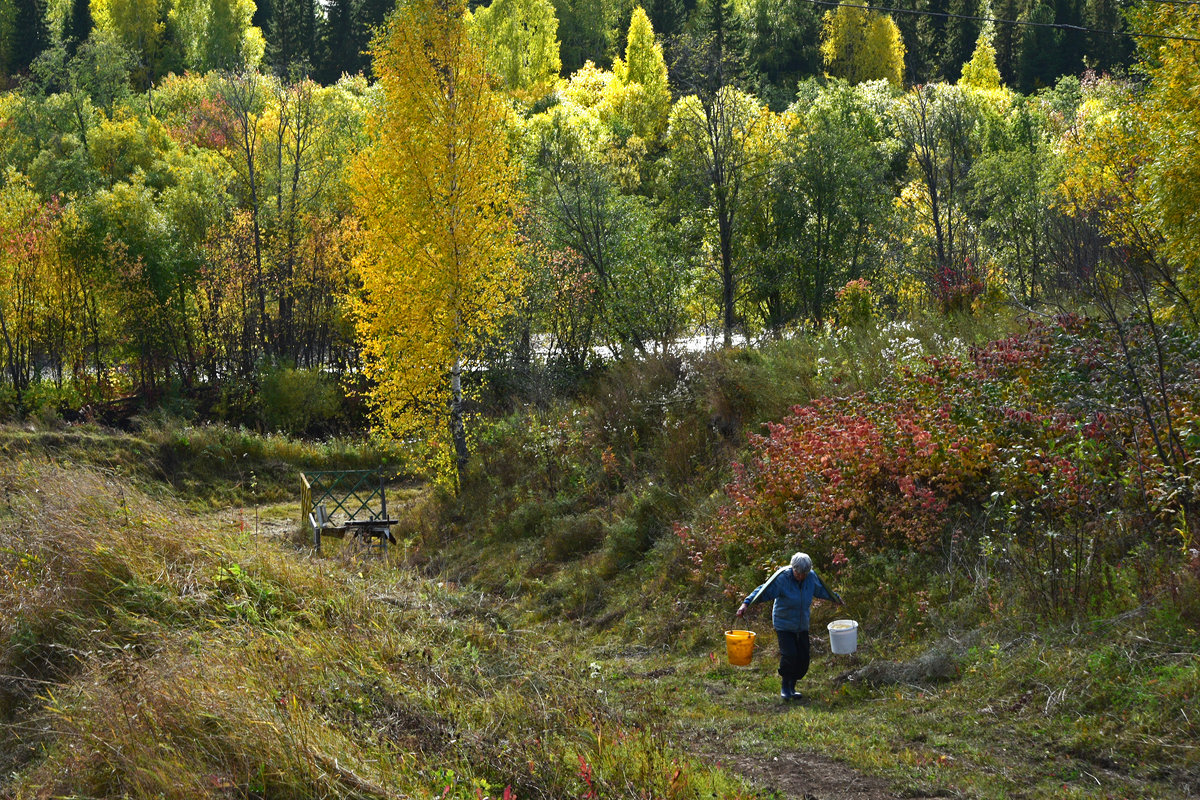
741	610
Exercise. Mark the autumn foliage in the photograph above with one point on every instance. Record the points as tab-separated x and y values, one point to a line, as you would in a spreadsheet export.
437	197
1027	450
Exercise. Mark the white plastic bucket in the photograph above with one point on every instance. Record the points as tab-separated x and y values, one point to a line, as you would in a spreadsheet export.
843	636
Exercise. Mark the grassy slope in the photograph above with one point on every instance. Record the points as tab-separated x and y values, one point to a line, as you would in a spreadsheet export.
1020	702
1033	719
207	466
145	654
146	651
1019	707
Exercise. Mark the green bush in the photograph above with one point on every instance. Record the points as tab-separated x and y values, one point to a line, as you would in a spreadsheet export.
46	401
298	401
8	401
527	519
624	543
627	540
572	536
238	403
744	388
856	304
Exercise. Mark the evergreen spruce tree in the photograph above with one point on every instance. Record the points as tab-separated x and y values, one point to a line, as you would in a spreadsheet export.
341	51
782	46
668	16
716	26
582	33
8	19
370	15
1105	51
1007	40
1073	40
292	37
1037	61
959	40
931	33
264	13
723	22
909	25
981	72
30	34
77	26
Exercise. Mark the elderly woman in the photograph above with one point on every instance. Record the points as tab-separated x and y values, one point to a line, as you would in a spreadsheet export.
793	589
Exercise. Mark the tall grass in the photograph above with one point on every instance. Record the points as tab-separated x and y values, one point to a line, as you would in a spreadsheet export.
573	505
208	465
147	655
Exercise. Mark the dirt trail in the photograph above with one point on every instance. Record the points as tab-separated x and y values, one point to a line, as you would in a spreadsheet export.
802	775
795	773
241	519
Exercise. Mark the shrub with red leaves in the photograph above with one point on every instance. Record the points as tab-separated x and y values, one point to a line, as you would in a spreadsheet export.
1034	440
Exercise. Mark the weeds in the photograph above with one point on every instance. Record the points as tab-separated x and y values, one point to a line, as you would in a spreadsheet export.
210	466
147	655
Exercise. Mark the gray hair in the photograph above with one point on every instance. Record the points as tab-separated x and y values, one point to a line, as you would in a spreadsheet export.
802	562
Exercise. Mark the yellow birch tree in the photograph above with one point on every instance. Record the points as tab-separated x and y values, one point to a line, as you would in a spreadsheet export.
1168	127
639	93
981	71
437	197
862	45
520	42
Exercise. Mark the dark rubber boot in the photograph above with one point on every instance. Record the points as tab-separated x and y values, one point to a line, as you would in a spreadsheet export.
787	689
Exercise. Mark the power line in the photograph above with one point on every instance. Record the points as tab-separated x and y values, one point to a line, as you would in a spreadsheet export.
1056	25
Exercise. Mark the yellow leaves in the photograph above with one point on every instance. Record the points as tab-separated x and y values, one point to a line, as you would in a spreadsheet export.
640	107
1132	157
437	198
1168	118
644	62
1101	153
127	143
135	22
588	85
860	45
981	71
520	41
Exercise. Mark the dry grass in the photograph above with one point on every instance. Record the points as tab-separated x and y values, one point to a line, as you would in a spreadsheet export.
147	652
206	465
147	655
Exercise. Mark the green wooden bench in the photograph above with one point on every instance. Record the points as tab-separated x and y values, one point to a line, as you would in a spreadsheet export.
334	503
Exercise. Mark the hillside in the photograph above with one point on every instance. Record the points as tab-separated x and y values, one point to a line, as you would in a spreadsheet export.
944	260
552	636
149	652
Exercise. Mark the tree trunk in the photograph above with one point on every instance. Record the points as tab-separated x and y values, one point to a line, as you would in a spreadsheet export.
728	287
458	431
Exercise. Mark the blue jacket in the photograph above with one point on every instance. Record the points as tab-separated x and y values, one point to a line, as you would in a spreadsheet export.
793	598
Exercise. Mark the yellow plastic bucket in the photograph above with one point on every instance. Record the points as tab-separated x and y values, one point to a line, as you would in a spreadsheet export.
740	646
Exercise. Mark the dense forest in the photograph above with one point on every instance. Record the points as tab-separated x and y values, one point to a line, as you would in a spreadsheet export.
179	186
205	209
776	43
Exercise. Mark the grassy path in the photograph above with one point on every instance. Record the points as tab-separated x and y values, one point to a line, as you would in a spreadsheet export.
1002	725
974	736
